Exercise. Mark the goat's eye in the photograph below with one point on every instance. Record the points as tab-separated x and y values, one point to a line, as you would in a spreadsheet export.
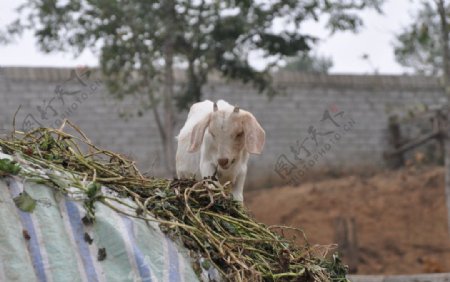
212	134
239	135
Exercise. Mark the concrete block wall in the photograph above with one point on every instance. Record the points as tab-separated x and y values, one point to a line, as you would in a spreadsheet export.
430	277
359	104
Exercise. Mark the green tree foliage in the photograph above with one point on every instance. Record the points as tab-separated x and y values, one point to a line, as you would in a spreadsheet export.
420	45
208	35
309	63
139	41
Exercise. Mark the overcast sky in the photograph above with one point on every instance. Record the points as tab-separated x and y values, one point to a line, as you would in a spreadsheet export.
346	49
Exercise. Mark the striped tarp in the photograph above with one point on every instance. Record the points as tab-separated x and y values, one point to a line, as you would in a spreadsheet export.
52	243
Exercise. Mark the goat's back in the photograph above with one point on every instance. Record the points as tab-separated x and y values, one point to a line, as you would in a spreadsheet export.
198	112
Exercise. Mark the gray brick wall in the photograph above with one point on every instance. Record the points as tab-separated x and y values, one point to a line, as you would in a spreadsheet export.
431	277
367	100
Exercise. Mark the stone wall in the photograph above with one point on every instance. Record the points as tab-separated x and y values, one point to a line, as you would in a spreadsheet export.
346	115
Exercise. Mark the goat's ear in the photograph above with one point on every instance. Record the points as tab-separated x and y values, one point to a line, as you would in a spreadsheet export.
254	135
197	134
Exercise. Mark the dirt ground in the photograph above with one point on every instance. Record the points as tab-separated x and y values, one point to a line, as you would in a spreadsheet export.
400	217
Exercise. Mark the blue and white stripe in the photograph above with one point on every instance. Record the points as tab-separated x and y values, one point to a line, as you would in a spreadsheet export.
149	257
78	233
35	243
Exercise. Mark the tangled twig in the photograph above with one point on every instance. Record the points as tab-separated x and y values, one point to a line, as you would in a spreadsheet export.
202	214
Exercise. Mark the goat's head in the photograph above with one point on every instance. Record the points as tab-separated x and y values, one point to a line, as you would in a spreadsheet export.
230	132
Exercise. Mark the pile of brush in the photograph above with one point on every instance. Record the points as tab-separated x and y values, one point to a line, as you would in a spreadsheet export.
202	215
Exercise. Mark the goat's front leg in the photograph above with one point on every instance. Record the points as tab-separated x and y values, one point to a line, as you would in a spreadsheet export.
207	169
238	189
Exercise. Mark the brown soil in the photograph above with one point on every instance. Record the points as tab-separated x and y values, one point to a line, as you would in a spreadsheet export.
400	217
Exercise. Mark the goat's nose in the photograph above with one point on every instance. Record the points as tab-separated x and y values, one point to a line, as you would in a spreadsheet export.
223	162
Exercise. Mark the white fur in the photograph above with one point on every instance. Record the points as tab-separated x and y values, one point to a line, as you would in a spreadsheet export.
204	162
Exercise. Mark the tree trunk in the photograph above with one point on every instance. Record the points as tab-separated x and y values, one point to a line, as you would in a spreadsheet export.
445	44
397	160
446	79
169	82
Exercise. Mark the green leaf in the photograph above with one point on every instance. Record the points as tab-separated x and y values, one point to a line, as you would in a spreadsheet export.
24	202
93	189
206	264
9	167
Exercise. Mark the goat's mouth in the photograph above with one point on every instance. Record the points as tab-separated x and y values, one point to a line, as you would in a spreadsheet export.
225	167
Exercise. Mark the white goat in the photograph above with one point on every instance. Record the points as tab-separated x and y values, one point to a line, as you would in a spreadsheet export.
216	140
